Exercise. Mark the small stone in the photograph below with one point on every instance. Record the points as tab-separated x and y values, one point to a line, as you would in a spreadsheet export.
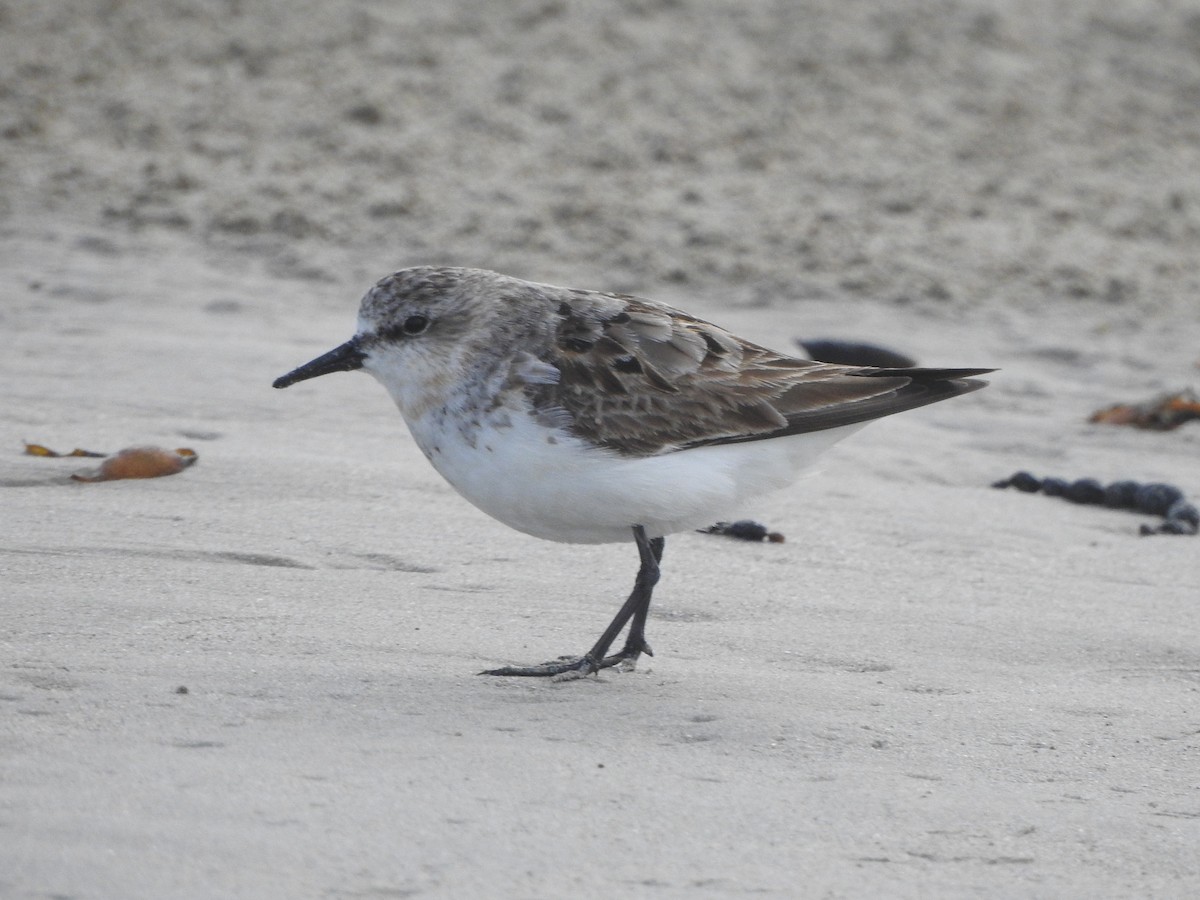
1085	490
1182	511
1023	481
1055	487
1155	499
1121	494
1171	526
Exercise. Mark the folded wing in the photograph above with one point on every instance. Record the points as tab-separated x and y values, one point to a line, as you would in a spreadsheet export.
642	378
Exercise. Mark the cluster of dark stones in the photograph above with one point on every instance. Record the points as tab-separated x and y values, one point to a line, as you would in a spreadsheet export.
1154	499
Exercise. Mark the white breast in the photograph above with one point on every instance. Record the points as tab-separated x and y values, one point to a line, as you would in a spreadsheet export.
551	485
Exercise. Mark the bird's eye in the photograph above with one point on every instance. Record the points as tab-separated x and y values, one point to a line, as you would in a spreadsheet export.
415	324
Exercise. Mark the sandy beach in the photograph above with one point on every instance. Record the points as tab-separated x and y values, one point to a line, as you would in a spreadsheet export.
256	678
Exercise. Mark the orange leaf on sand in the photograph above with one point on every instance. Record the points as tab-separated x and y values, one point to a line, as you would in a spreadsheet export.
39	450
1163	413
140	462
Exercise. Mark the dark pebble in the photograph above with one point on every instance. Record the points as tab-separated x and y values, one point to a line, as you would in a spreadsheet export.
1171	526
1085	490
1182	511
1055	487
1023	481
1155	499
1121	494
745	530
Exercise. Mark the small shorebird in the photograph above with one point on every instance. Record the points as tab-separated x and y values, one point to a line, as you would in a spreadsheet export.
583	417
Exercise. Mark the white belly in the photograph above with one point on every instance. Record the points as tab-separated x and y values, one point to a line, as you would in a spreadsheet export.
553	486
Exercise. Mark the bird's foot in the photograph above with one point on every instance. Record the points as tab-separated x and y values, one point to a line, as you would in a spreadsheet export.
565	668
626	659
570	668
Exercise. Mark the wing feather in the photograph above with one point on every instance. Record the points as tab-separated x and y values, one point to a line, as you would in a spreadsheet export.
642	378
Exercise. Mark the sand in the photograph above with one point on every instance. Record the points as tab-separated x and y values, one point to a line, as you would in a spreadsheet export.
255	678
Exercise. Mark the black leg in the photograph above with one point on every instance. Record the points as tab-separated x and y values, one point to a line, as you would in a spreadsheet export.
637	607
635	641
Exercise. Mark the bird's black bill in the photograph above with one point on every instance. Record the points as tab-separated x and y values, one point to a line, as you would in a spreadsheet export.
345	358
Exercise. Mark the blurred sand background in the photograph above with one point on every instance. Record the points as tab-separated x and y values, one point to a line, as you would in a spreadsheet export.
933	689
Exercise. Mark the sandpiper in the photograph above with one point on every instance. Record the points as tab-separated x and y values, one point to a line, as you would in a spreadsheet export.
588	417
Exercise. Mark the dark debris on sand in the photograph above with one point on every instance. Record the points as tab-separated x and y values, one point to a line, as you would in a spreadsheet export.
1154	499
744	530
